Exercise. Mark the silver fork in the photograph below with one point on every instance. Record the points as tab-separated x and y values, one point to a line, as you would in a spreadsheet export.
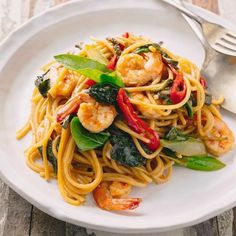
219	38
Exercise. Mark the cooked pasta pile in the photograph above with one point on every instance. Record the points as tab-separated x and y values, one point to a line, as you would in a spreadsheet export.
119	114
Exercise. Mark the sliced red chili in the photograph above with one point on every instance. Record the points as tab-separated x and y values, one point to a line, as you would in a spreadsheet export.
125	35
112	64
178	90
135	123
122	47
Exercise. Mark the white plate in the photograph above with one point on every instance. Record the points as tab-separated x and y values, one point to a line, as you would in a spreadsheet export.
189	197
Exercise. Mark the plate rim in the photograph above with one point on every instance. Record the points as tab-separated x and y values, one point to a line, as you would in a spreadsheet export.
60	214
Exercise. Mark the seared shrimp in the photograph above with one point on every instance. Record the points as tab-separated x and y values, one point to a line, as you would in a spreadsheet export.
220	140
108	196
94	116
136	70
62	82
146	111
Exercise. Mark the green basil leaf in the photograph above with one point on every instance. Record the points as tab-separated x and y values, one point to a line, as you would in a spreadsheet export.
111	78
200	162
77	63
203	163
89	68
84	139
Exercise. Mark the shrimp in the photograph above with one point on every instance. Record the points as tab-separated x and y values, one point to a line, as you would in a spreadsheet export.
108	196
62	82
146	111
136	70
94	116
220	139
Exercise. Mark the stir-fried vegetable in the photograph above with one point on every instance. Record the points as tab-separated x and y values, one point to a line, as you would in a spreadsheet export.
77	63
189	147
178	90
189	109
183	144
84	139
167	59
125	35
89	68
95	54
135	123
208	99
67	121
124	150
104	93
198	162
43	84
176	135
118	48
112	63
50	156
203	82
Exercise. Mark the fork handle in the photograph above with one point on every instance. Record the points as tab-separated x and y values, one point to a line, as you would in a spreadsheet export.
185	11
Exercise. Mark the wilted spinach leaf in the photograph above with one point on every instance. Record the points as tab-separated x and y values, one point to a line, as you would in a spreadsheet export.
43	84
104	93
50	156
124	150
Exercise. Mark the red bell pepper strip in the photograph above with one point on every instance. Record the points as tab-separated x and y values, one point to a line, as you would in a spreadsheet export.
125	35
135	123
90	83
203	82
112	64
178	90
